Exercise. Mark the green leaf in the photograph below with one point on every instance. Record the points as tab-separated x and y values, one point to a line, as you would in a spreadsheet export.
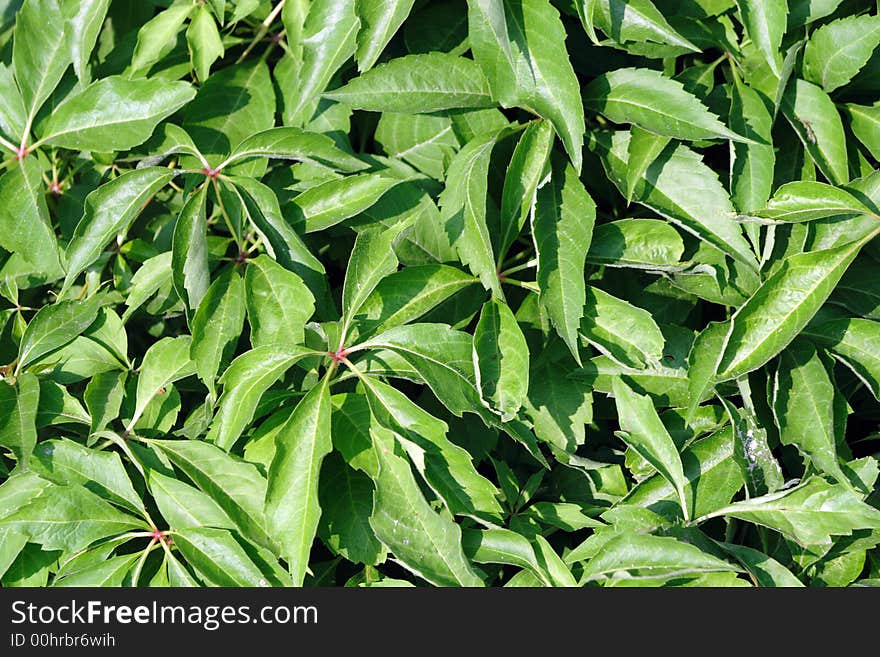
463	206
346	499
557	405
18	430
502	546
205	43
244	382
644	148
165	362
809	514
501	360
25	225
153	274
765	23
815	119
372	258
630	20
84	22
753	164
41	52
217	324
782	307
624	332
189	251
114	113
334	201
865	123
69	518
760	469
111	572
680	187
803	406
421	540
328	40
54	326
418	84
292	507
525	172
238	487
852	342
295	144
157	37
804	200
644	432
562	227
108	211
425	141
517	44
184	506
278	303
654	102
637	243
647	556
836	52
766	570
380	19
66	462
447	468
218	557
58	406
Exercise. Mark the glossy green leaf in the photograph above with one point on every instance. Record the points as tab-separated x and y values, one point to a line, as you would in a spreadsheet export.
837	51
501	358
278	303
217	324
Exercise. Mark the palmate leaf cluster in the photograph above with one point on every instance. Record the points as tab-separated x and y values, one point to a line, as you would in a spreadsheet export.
469	293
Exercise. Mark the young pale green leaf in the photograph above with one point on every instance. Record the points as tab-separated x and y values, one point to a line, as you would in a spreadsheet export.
189	251
654	102
183	505
25	225
418	84
644	432
18	410
463	207
644	148
624	332
517	44
806	200
278	303
54	326
380	19
836	52
328	39
782	307
292	507
809	514
501	360
108	211
216	326
69	518
447	468
204	41
158	35
346	499
853	342
66	462
114	113
815	119
165	362
218	557
244	382
421	540
645	555
295	144
637	243
765	23
562	228
803	406
40	52
679	186
238	487
84	22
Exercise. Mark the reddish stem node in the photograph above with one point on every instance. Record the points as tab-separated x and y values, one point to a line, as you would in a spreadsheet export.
339	355
21	152
213	174
55	188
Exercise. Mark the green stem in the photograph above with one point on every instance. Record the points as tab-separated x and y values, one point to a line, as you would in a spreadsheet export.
261	33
